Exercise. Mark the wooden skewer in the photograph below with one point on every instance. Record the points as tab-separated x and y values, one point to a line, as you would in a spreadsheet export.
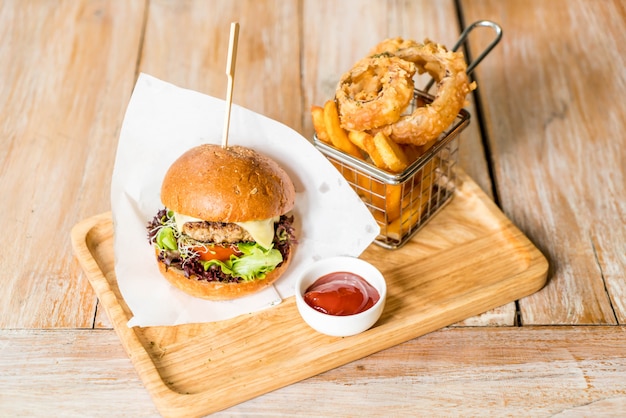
230	72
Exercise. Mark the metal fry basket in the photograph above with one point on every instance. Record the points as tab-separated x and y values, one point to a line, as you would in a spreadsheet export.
402	203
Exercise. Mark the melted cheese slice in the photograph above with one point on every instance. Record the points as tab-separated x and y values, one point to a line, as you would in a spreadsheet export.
261	231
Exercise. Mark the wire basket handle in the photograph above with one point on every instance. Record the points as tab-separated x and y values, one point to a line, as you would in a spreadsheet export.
463	38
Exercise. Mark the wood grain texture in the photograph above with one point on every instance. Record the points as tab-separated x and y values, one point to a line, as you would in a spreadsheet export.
186	43
556	128
469	259
552	99
69	373
68	69
529	371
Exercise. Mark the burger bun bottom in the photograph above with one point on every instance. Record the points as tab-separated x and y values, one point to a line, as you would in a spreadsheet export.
218	290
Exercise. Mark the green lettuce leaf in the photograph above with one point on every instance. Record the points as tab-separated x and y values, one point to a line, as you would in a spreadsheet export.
254	263
166	240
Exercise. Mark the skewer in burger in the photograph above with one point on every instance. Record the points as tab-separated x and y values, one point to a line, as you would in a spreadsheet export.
225	231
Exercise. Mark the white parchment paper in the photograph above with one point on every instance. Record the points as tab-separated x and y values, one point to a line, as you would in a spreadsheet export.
163	121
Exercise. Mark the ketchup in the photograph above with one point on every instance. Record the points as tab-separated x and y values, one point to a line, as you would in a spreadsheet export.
341	293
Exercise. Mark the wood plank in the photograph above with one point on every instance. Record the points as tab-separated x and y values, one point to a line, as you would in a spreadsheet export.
69	373
536	371
556	129
102	319
69	68
186	43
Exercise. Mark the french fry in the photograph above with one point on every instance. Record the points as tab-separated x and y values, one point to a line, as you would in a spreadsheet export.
372	190
385	197
390	152
358	139
396	206
374	195
337	134
366	143
414	203
401	225
372	151
317	114
393	201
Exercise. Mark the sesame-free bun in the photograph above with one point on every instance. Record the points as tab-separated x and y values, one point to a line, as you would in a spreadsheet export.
218	290
234	184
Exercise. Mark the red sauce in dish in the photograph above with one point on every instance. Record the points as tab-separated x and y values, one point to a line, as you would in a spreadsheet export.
341	293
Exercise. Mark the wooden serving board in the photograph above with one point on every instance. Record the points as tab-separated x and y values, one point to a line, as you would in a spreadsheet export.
468	259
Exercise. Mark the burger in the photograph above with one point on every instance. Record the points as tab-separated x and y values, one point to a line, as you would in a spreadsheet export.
226	230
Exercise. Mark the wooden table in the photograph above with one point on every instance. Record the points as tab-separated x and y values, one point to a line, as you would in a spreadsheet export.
546	143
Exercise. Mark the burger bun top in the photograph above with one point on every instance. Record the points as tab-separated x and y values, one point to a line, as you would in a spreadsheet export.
233	184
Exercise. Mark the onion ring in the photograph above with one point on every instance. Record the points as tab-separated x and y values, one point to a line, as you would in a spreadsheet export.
448	69
375	92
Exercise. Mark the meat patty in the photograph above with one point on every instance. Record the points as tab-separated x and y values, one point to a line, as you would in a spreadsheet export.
217	232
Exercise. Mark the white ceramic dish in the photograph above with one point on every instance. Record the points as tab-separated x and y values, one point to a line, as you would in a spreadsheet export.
333	325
